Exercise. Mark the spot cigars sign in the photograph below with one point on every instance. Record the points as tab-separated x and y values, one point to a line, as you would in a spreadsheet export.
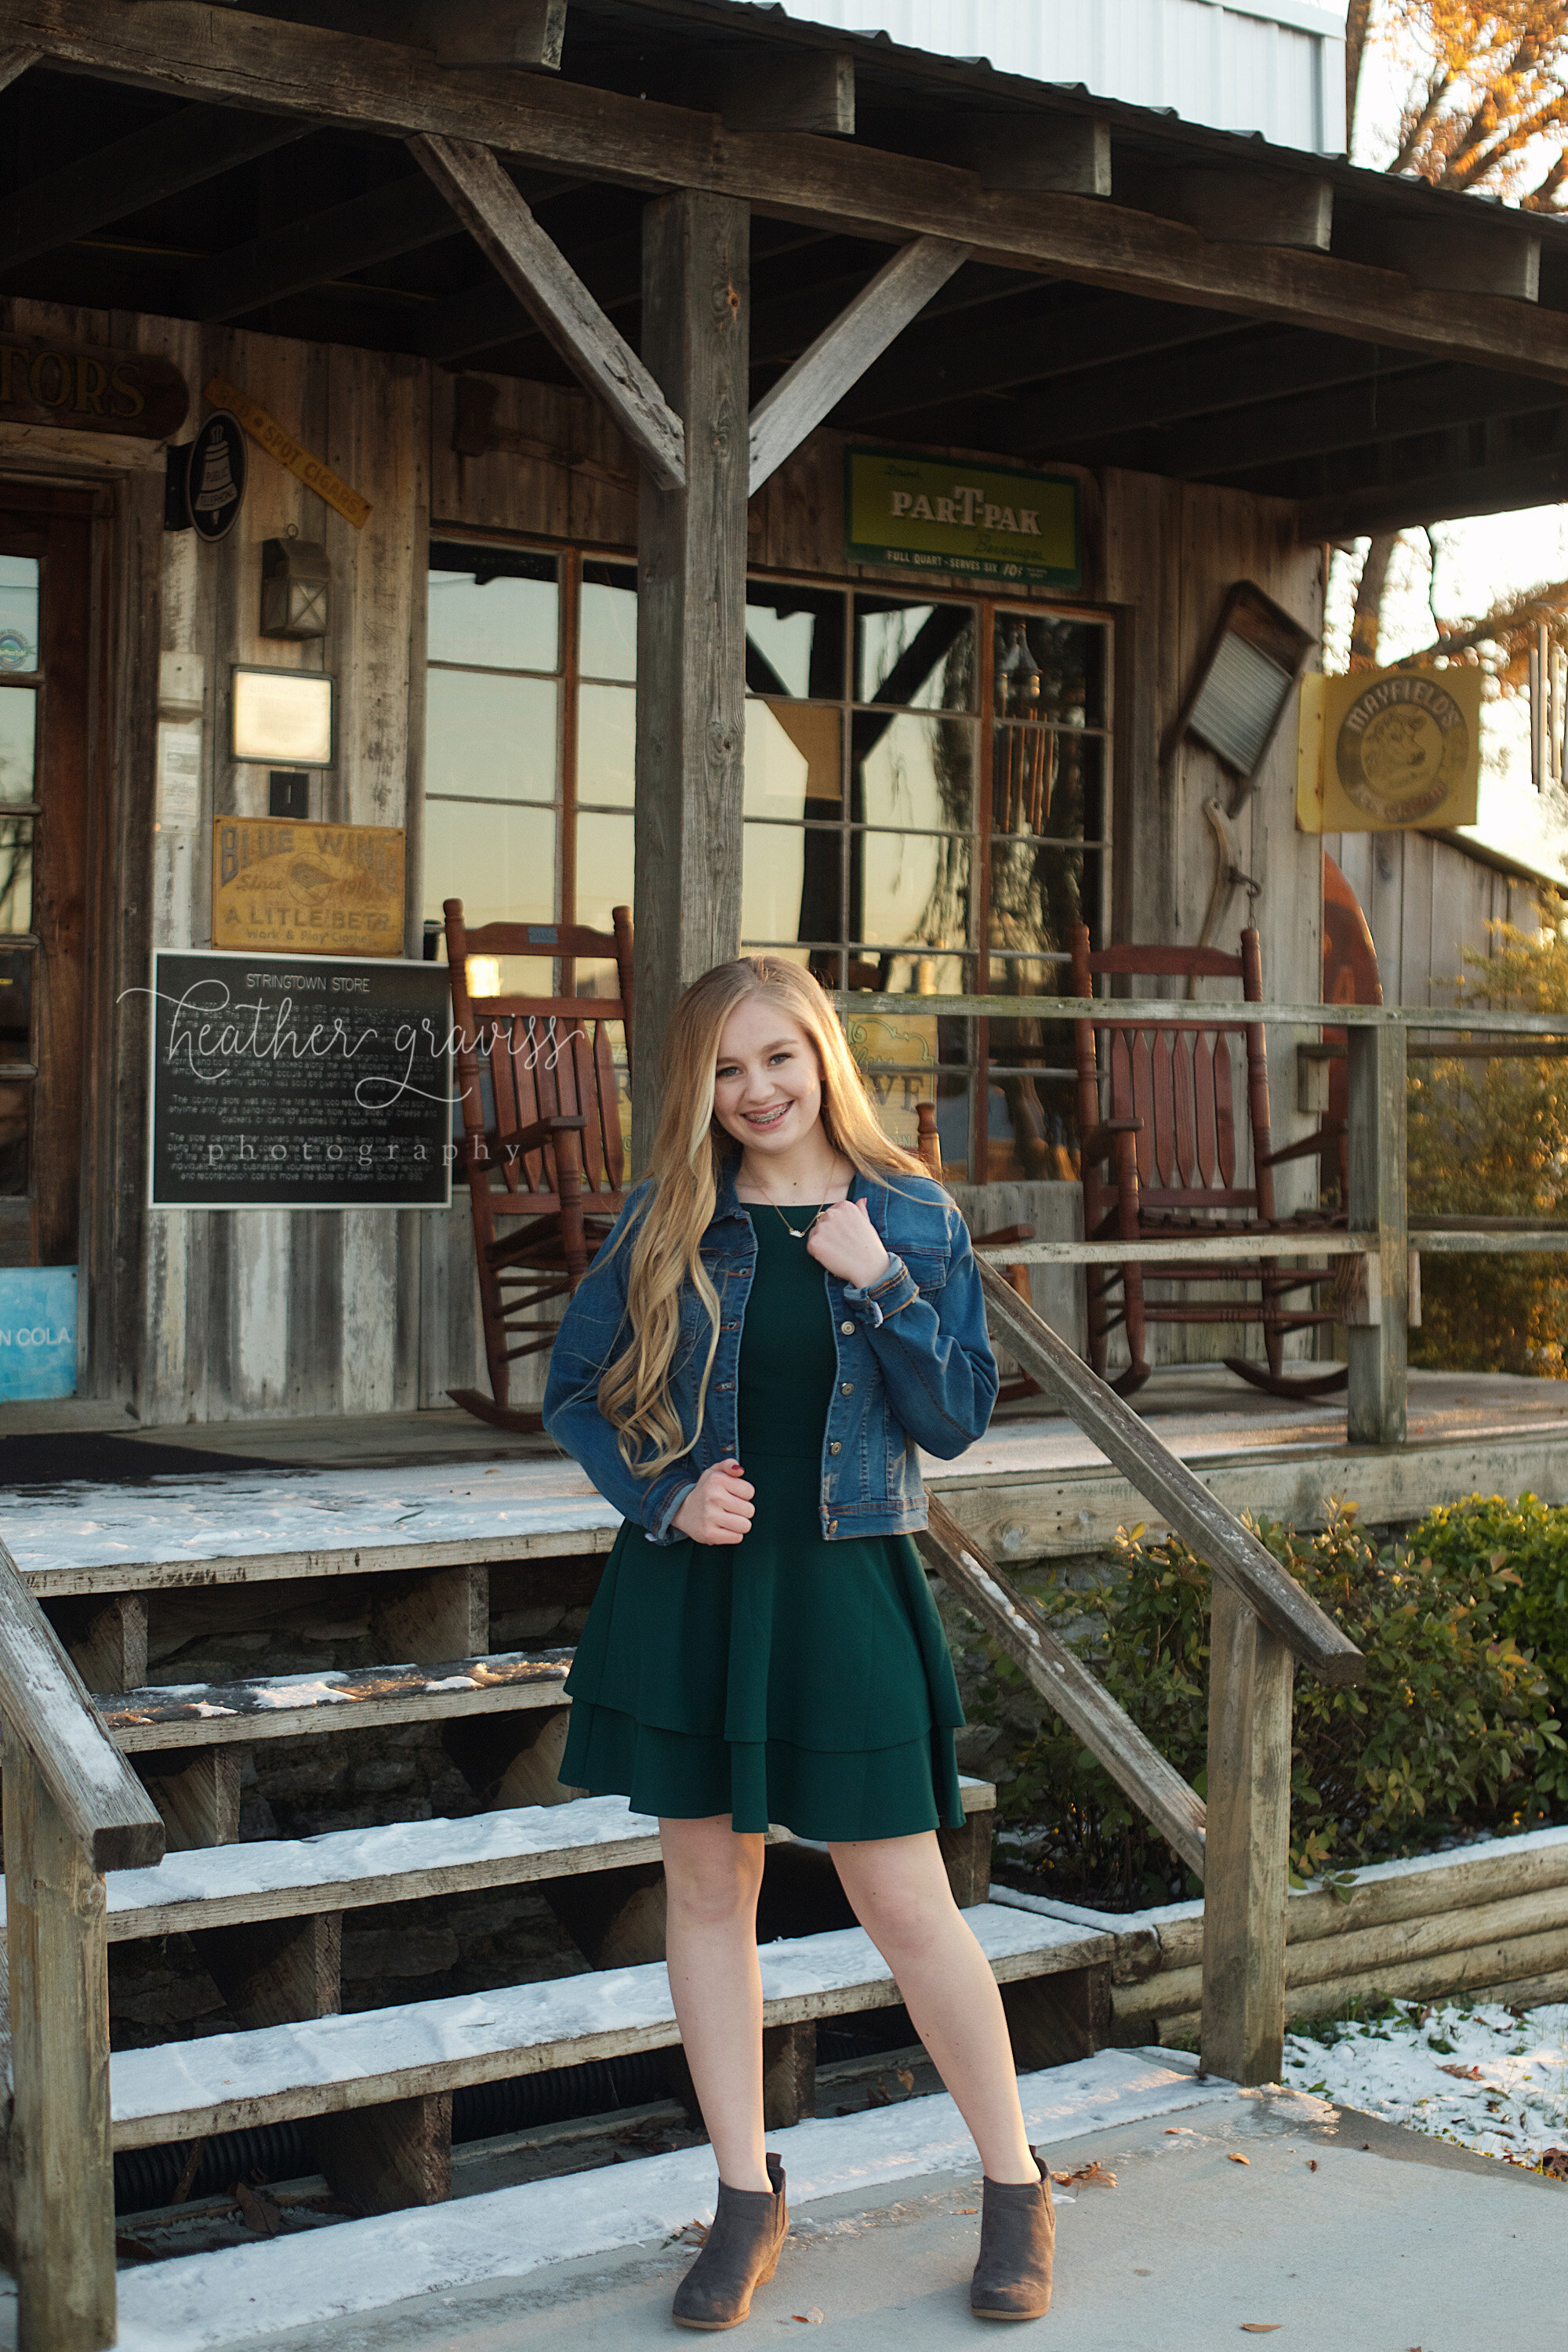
88	390
945	515
319	890
1384	751
283	1083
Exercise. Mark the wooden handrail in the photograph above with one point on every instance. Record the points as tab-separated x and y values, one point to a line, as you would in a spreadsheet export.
1066	1684
1203	1524
48	1713
1139	1011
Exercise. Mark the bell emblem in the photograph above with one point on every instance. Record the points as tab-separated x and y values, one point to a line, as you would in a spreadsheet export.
218	487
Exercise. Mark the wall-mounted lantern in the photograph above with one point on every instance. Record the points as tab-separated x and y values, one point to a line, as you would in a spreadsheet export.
296	578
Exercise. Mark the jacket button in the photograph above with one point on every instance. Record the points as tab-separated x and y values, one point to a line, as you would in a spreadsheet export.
846	1387
834	1446
833	1527
847	1329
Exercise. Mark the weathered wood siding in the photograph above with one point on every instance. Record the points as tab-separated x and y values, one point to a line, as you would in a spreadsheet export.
1429	904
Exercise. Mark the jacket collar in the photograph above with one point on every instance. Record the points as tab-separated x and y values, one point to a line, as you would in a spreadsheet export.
726	1204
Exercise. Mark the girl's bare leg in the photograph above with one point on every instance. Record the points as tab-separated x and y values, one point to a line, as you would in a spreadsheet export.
898	1888
712	1877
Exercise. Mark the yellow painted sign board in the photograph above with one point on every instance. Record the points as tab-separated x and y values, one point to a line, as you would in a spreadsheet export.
1381	751
319	889
269	434
944	514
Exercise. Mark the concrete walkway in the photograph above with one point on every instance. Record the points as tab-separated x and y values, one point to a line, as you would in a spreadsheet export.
1337	2246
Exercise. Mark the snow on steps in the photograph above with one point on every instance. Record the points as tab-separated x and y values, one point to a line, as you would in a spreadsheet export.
406	1862
227	2082
204	2301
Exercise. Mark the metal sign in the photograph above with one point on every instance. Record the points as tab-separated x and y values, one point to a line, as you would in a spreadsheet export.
931	514
205	484
317	889
1383	750
299	1084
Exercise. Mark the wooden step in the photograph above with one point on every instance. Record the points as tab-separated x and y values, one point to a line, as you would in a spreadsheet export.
284	1706
406	1862
402	2058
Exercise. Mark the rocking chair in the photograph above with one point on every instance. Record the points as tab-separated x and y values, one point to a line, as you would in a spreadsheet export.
1163	1160
541	1137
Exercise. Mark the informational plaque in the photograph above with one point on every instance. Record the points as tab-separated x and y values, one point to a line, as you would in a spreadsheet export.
1383	750
318	889
987	523
318	1082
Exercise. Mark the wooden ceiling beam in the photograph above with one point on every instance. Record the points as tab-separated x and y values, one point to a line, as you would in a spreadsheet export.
819	378
934	366
302	70
161	159
508	36
490	208
1065	154
1294	209
1196	382
14	62
1457	257
1506	487
1353	417
803	89
399	218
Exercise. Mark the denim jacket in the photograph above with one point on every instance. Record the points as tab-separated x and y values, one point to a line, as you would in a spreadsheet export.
915	1366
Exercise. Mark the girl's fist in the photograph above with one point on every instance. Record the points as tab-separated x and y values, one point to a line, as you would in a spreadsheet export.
847	1242
719	1507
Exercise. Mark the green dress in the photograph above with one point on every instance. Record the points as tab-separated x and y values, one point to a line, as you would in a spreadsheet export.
784	1678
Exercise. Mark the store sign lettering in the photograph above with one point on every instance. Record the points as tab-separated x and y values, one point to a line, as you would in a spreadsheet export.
984	522
90	391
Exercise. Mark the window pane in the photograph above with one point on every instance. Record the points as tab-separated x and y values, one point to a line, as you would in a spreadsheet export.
606	743
495	608
500	862
914	771
793	760
1049	669
607	630
790	883
919	975
1046	784
18	717
921	654
15	1005
16	1109
490	738
911	888
1039	894
794	641
607	865
15	874
19	612
1031	1131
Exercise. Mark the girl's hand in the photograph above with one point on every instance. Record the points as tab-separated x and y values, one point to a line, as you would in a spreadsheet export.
845	1242
718	1509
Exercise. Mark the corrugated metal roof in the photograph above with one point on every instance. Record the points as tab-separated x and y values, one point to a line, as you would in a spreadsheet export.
1231	64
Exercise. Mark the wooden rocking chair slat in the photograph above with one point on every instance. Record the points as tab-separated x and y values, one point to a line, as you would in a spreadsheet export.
1164	1158
546	1167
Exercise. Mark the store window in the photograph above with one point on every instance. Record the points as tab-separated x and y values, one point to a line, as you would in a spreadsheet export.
925	808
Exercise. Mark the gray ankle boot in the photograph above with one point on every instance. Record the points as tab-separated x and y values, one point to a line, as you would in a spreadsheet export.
1018	2242
742	2254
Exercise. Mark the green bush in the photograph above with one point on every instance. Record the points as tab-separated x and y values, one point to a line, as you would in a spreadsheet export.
1453	1728
1527	1539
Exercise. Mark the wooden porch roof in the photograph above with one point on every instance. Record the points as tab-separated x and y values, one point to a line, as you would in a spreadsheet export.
1142	291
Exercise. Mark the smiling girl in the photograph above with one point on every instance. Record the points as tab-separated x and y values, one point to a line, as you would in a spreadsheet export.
786	1311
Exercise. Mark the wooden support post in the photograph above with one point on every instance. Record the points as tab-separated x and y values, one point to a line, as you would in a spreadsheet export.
198	1792
1249	1845
1055	2020
383	2159
107	1639
510	1760
691	620
615	1918
277	1971
62	2165
1377	1349
967	1854
442	1615
789	2074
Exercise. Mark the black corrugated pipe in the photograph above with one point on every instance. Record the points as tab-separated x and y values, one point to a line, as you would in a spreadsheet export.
148	2176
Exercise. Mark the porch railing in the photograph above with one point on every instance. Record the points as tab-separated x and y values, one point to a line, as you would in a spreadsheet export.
73	1810
1382	1238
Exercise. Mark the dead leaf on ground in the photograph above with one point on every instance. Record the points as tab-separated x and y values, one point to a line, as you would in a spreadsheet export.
1239	2160
968	2209
905	2078
1311	2164
260	2213
1261	2327
812	2318
1180	2131
878	2095
1464	2073
1093	2176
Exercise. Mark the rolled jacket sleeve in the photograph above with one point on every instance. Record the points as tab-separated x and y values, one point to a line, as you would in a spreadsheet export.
934	1354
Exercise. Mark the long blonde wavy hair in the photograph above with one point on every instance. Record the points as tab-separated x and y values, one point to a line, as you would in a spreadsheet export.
689	1154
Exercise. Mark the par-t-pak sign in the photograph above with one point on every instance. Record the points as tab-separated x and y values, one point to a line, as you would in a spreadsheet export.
941	514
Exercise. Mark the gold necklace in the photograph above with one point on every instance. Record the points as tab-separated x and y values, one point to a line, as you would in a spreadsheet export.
800	1232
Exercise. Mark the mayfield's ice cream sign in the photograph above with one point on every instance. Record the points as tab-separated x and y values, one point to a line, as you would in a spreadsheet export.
1385	749
933	515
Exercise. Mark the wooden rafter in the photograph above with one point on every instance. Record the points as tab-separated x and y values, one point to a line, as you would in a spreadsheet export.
14	62
397	219
180	45
812	387
537	271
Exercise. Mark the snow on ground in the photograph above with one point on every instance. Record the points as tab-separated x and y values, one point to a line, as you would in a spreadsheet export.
1478	2076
